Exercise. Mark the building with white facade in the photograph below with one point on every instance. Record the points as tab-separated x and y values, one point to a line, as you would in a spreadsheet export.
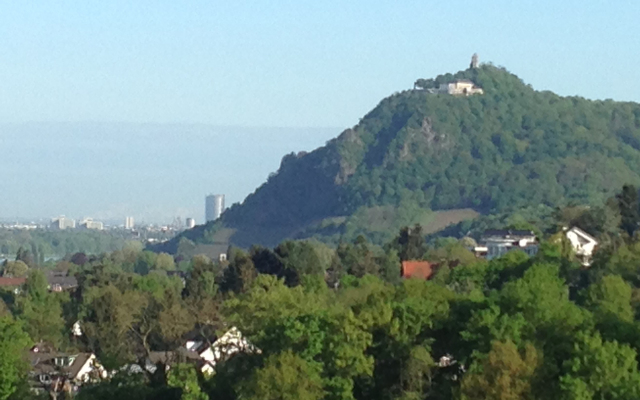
584	245
62	223
213	206
128	223
190	223
496	243
460	87
89	223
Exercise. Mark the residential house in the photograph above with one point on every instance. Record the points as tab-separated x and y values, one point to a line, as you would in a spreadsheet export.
51	371
60	281
496	243
165	358
583	244
202	353
221	349
13	284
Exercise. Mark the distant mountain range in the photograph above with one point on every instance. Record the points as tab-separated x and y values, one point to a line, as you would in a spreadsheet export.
424	151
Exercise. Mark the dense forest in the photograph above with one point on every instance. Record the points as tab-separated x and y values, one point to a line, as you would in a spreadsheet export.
341	323
496	153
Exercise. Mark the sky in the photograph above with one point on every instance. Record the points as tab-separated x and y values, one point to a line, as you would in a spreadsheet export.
84	77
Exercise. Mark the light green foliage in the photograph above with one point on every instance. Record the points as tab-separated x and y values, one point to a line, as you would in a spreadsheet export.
15	269
611	298
415	378
600	370
625	261
505	373
330	339
43	243
185	377
108	317
13	368
164	262
145	262
285	376
543	299
40	310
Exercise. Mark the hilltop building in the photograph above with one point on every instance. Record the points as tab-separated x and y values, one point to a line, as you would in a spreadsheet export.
190	223
62	223
214	206
474	61
461	87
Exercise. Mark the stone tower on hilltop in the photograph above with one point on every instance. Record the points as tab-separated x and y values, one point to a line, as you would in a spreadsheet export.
474	61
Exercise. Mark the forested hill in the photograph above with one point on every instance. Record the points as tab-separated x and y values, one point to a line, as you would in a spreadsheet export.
508	148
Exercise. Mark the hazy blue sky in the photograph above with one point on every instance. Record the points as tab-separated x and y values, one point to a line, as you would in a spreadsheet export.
263	64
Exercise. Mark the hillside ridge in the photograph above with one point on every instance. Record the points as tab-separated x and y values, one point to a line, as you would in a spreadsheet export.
420	150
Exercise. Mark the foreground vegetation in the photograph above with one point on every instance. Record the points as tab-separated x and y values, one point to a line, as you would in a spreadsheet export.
341	324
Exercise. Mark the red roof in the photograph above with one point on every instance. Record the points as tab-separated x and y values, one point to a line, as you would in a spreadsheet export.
417	269
4	281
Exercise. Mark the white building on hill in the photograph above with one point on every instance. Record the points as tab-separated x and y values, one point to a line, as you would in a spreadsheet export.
583	244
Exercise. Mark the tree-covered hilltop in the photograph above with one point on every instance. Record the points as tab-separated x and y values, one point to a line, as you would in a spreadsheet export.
509	148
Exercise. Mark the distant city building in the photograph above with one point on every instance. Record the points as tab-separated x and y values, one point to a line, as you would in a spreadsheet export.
128	223
190	223
62	223
89	223
213	206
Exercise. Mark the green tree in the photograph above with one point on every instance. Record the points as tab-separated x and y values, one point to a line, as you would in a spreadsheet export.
41	311
629	207
600	370
610	298
164	262
285	376
415	377
504	374
16	269
185	377
13	367
240	273
410	243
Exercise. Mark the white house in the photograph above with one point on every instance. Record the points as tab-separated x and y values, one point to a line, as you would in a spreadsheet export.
221	349
53	371
583	244
460	87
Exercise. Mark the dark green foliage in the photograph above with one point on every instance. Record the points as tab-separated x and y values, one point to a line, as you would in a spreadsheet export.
629	207
240	273
410	243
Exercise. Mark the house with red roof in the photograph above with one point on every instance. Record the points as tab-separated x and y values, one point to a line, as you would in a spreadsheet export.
417	269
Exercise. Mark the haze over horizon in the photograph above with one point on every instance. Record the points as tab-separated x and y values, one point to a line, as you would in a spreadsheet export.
172	88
